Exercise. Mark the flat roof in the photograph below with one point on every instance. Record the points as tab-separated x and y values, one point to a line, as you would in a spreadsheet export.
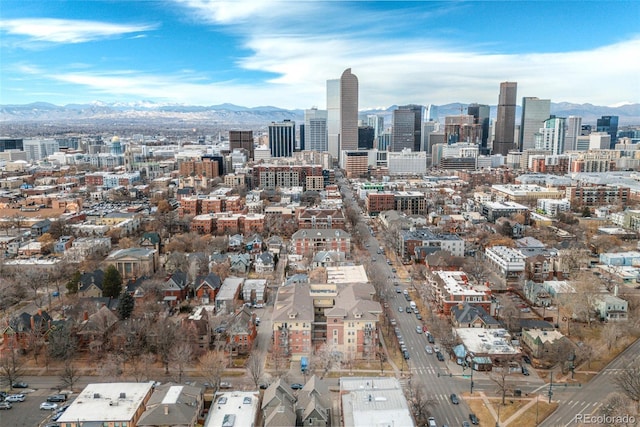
347	274
486	341
107	402
374	401
243	405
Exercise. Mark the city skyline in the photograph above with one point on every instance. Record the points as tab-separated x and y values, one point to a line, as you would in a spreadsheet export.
282	53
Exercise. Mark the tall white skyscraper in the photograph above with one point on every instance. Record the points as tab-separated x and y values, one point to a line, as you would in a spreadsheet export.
534	112
574	126
315	130
377	123
333	117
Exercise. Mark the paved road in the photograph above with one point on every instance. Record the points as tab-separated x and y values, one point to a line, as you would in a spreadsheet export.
422	367
589	398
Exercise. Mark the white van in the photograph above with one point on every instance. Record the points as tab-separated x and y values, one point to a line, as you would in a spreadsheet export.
412	304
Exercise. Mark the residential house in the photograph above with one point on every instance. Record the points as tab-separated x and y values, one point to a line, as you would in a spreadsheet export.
536	294
228	295
91	284
254	291
328	259
63	244
200	327
279	405
275	244
466	315
612	308
40	228
151	240
173	405
175	288
253	244
313	407
236	242
544	344
264	263
95	328
321	218
240	263
292	322
207	287
242	332
23	328
236	408
134	262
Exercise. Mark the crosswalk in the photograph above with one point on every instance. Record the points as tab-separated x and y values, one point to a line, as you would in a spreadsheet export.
427	370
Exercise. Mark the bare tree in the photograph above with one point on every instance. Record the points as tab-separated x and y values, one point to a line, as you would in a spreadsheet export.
181	355
499	377
70	375
63	342
628	382
325	358
11	363
616	406
510	314
611	332
421	405
212	364
112	365
138	366
163	338
255	366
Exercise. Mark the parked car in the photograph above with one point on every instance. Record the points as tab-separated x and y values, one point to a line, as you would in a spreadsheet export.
466	424
408	309
49	406
5	405
526	359
15	398
454	399
400	309
440	356
57	398
428	349
264	386
296	386
418	330
225	384
393	322
474	420
430	338
525	371
20	385
418	316
405	354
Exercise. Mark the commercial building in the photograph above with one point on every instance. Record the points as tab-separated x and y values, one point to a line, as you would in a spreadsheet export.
608	124
315	130
108	404
407	128
241	139
551	135
282	138
348	111
508	262
407	162
534	112
480	113
373	401
506	119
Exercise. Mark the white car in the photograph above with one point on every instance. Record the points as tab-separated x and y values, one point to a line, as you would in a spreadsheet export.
436	348
418	330
428	349
15	398
48	406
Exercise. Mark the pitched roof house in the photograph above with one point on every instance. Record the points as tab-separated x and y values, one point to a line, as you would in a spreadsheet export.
264	263
207	287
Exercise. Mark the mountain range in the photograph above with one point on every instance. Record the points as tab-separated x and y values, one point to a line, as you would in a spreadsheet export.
229	115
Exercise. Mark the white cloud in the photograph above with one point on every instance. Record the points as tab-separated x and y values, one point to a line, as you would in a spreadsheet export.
68	31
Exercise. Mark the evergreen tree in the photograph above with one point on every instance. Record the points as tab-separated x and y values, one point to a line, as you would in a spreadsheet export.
74	283
112	284
126	305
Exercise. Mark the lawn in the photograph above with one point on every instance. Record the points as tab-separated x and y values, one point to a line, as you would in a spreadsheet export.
525	419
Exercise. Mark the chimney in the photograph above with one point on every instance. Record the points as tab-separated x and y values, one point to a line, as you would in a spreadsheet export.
615	290
33	323
166	409
85	316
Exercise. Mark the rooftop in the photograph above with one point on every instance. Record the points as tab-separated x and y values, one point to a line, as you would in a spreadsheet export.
374	401
106	402
242	406
486	341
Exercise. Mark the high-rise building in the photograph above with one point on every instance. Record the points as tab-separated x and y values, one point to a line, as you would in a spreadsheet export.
551	135
403	129
38	149
11	144
462	128
506	119
333	117
366	136
348	111
241	139
282	138
315	130
574	126
480	113
432	113
418	113
534	112
377	123
427	129
608	124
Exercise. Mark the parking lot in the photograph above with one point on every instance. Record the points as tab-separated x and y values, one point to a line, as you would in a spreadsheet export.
27	413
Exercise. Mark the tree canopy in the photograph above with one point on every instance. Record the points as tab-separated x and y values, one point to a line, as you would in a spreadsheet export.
112	284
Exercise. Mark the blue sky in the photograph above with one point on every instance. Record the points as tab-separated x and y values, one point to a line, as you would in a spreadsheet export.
281	53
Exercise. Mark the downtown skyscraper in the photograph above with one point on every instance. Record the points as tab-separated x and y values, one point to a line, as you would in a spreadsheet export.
534	112
282	138
315	130
348	111
506	119
480	113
